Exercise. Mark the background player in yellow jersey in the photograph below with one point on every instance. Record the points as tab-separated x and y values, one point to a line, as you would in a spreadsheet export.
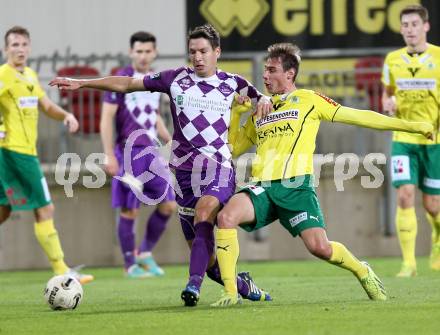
22	183
411	77
283	167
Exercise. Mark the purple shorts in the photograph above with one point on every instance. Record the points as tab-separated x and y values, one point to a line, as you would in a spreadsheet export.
152	188
219	183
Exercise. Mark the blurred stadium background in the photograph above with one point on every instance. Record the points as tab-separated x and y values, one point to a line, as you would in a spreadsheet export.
343	44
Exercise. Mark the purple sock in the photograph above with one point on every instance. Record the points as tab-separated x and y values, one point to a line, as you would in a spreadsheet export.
126	240
201	251
155	226
214	274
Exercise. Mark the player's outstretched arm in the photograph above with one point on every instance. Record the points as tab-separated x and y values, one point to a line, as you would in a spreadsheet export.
370	119
121	84
237	136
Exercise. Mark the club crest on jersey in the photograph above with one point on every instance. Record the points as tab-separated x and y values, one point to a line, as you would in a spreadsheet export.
291	114
413	70
225	89
185	83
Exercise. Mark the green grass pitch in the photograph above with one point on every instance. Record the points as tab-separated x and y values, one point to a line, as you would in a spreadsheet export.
310	297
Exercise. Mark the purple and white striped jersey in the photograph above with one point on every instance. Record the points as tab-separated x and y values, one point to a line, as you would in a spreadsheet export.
136	110
201	111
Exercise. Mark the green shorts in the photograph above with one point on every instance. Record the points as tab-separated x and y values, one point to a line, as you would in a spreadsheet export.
296	206
22	183
416	164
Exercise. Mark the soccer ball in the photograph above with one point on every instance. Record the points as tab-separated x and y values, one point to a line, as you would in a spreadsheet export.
63	292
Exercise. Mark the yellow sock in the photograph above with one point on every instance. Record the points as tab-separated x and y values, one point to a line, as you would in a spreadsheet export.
435	225
406	226
47	236
227	255
343	258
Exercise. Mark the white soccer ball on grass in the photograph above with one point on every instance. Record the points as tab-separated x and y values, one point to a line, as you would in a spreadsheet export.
63	292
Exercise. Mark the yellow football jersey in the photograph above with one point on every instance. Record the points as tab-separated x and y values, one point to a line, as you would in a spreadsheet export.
19	95
286	137
415	80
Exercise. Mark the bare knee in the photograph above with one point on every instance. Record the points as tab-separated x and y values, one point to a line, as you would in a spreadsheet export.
315	240
129	213
206	209
5	212
167	208
44	213
226	220
321	250
405	196
432	204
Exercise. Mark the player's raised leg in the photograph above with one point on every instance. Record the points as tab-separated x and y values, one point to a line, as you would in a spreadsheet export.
315	240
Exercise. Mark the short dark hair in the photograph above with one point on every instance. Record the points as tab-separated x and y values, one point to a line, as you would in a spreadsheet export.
143	37
289	55
207	32
17	30
416	9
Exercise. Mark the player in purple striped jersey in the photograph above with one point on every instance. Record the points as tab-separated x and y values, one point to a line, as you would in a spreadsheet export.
201	98
137	112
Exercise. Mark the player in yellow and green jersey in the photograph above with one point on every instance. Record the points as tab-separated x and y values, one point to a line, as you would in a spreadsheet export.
22	183
411	78
283	167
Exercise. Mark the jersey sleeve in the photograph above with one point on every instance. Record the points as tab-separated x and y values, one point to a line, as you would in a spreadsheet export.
241	138
245	88
249	130
370	119
387	78
160	81
325	107
39	91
